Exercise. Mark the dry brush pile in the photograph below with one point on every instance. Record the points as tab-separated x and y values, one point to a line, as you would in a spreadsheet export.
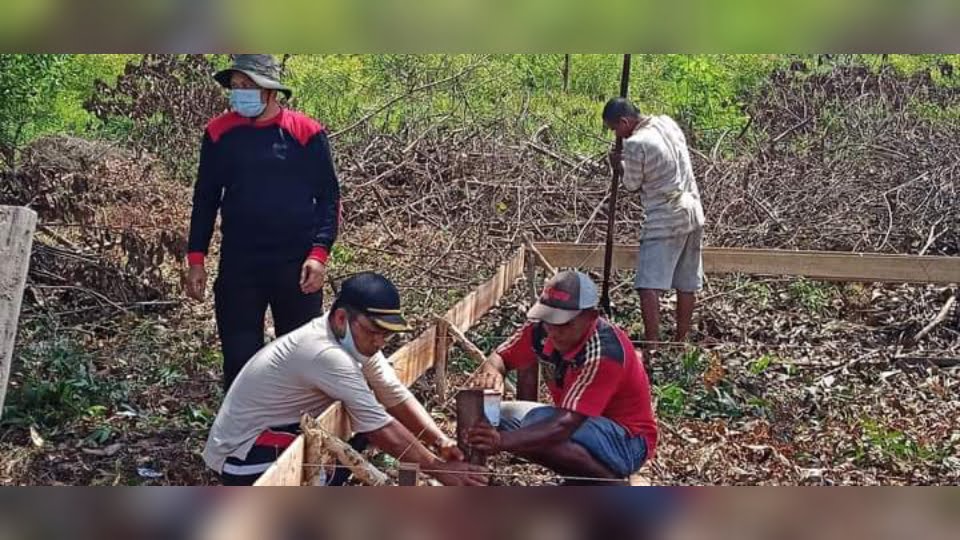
110	229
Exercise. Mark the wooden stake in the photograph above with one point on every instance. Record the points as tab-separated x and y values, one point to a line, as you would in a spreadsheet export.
407	474
469	413
532	280
16	238
441	353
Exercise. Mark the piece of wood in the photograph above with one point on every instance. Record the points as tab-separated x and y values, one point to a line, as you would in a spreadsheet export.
467	311
287	471
537	256
313	453
533	288
416	357
474	352
17	225
441	353
468	347
469	413
944	311
407	474
344	453
820	265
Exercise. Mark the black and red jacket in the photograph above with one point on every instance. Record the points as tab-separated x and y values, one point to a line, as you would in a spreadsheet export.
275	187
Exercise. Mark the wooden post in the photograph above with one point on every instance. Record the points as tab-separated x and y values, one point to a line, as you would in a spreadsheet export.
440	354
528	380
566	73
16	238
407	474
532	279
469	413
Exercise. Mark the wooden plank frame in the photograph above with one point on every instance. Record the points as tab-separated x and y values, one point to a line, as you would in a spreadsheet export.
819	265
410	361
416	357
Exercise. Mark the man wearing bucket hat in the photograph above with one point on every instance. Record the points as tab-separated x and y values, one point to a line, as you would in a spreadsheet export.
269	173
335	357
601	425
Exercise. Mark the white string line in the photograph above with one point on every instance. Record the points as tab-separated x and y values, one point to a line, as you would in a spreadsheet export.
711	345
396	467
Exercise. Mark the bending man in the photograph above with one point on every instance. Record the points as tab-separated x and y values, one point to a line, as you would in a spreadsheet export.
335	357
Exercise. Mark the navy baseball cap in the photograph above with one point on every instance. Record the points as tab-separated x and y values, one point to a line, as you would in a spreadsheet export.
376	297
565	296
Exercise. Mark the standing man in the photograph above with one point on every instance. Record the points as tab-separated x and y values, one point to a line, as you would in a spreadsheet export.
656	161
601	425
335	357
269	172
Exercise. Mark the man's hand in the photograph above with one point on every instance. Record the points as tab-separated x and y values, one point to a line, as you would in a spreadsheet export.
448	450
487	380
311	276
616	161
484	437
458	473
195	283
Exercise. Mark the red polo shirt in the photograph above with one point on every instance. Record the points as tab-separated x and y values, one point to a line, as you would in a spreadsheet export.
602	376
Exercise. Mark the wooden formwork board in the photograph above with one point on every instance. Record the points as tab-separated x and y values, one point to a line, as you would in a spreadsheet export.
410	362
16	238
820	265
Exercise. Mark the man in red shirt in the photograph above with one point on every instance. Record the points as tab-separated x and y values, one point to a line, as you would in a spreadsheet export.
601	425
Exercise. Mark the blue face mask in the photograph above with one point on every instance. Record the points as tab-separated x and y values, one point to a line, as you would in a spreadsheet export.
246	102
351	347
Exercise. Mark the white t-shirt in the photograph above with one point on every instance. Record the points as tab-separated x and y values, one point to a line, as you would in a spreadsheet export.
304	371
657	162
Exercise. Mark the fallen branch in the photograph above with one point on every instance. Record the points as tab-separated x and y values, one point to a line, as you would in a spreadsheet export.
936	320
347	456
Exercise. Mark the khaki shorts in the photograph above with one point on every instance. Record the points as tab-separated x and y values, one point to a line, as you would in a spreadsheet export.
675	262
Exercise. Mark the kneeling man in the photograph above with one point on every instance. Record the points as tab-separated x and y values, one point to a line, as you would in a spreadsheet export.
601	425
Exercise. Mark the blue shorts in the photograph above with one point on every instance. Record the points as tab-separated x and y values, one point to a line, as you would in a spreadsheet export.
607	441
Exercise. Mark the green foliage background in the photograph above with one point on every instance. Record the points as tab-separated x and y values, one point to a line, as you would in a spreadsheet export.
44	93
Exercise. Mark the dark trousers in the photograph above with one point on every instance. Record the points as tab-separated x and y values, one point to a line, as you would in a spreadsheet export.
242	293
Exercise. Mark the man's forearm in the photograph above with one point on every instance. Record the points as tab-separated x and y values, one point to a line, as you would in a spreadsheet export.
415	418
396	440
